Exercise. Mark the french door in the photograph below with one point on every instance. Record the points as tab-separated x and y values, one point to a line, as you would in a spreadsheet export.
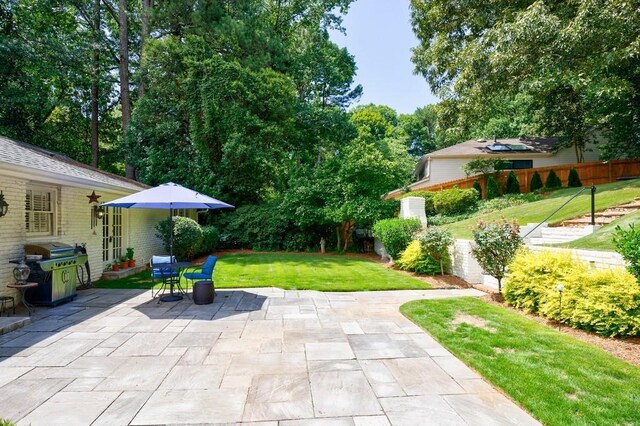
112	227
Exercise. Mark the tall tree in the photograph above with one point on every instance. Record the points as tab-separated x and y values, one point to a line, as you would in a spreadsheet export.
125	102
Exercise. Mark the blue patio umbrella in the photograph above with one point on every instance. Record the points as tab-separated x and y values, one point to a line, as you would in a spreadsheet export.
168	196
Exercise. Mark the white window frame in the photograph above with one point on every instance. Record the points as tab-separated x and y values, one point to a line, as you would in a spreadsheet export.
53	212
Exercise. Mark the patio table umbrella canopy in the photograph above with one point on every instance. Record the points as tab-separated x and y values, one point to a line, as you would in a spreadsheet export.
168	196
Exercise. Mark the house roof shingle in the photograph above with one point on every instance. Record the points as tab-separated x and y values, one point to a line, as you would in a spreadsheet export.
480	147
29	156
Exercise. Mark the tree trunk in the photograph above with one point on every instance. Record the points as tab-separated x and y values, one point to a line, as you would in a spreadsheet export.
500	285
441	267
124	78
338	237
146	11
95	72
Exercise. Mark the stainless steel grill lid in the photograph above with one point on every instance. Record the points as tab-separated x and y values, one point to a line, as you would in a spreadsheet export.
49	250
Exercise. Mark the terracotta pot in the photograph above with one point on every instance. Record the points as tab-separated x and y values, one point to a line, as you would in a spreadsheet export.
115	268
132	263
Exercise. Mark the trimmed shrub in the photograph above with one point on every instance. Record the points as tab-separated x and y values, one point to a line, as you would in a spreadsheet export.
536	182
552	181
493	190
414	259
396	234
429	209
513	184
455	201
574	179
605	302
210	238
508	201
435	242
495	246
478	187
187	236
628	245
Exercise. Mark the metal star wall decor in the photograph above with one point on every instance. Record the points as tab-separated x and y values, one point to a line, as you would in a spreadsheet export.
93	198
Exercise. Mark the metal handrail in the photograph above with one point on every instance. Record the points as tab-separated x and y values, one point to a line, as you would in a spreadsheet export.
593	191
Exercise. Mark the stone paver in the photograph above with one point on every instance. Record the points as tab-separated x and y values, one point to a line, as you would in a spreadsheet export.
255	356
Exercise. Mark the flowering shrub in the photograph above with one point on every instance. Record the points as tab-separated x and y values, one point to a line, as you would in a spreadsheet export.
495	247
435	242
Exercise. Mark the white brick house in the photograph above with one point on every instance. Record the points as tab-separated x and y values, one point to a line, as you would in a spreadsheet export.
47	196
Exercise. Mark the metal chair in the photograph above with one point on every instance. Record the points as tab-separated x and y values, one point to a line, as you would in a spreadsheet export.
164	274
205	272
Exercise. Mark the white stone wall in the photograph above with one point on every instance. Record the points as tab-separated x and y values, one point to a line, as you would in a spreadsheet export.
74	225
413	208
596	259
463	264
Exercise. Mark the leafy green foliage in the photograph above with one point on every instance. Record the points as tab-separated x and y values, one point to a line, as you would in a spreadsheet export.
536	182
627	242
495	247
210	239
493	189
455	201
435	242
483	166
477	187
187	236
428	196
605	302
513	184
414	259
396	234
508	200
574	179
553	181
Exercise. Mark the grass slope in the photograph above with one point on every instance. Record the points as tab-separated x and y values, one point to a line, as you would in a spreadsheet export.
607	195
558	379
601	239
294	271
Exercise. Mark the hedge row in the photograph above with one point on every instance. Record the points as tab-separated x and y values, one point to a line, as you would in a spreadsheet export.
605	302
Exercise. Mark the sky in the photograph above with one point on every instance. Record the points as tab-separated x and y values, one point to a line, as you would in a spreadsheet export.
380	37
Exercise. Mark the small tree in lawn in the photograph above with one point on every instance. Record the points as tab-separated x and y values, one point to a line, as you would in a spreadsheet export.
493	190
536	182
435	242
495	247
513	184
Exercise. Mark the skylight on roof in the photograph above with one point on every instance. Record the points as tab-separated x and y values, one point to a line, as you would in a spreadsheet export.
508	147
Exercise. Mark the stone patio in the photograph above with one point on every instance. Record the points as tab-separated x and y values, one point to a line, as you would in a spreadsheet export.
269	356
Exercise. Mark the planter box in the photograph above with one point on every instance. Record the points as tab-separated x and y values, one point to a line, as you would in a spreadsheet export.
114	275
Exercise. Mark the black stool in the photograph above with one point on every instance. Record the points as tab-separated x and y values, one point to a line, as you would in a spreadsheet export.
203	292
4	300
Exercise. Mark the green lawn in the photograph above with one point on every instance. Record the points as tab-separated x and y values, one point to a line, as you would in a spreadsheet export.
294	271
601	239
606	196
558	379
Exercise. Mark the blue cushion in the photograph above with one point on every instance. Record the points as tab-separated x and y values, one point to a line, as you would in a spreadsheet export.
162	272
197	275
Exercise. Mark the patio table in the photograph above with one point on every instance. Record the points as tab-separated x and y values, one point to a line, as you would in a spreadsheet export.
177	266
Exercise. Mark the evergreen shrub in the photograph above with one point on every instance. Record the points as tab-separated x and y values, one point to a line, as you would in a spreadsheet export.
478	187
513	184
605	302
552	181
493	190
574	179
414	259
455	201
396	234
429	209
187	236
536	182
435	242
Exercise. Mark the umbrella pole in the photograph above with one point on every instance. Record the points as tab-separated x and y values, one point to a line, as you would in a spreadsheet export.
171	232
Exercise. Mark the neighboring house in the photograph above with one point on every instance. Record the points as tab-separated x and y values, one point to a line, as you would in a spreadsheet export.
48	200
524	153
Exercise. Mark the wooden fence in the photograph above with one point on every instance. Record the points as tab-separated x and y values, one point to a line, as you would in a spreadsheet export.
595	173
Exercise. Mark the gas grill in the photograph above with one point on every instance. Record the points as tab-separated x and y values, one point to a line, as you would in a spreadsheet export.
55	272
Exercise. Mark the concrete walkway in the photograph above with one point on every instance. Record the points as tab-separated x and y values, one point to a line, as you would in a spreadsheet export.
114	357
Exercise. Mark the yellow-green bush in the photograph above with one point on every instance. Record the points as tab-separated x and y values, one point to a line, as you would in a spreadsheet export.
414	259
605	302
534	274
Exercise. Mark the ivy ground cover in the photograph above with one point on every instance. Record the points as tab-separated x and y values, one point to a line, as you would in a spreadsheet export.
557	378
294	271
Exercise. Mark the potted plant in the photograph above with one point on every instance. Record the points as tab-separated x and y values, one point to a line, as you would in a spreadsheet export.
124	263
116	266
132	262
108	267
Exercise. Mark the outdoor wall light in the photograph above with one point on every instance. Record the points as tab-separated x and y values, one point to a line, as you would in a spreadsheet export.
4	207
98	212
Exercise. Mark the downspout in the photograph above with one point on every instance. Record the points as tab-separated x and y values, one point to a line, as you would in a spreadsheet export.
427	174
